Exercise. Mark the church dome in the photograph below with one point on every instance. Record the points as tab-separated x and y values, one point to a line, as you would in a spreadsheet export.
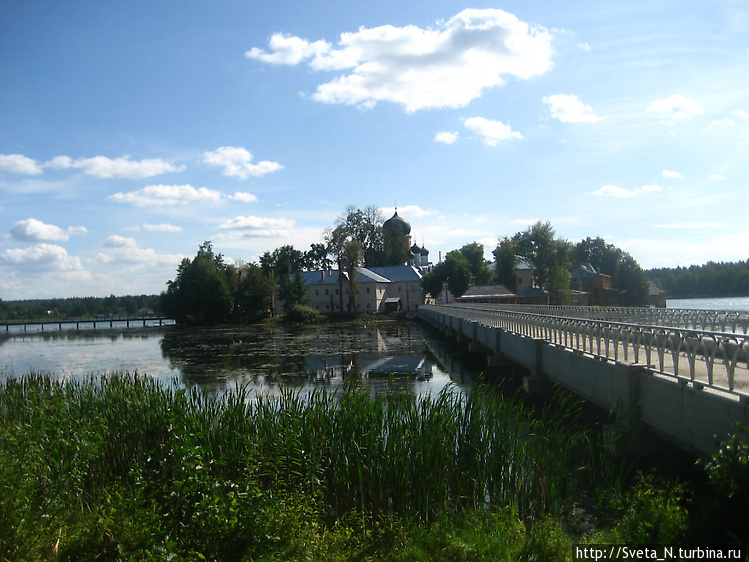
424	251
400	222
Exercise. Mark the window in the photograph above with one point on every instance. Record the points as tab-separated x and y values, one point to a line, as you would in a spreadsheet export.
317	292
327	292
367	290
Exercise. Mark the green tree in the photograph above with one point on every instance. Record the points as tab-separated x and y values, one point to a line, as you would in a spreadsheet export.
606	258
200	293
433	282
292	291
506	262
548	257
364	226
352	258
631	282
626	274
252	300
455	271
317	258
474	254
283	261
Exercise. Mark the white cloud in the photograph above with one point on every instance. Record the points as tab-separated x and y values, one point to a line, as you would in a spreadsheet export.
46	257
167	195
584	46
32	230
408	211
120	249
741	113
569	109
19	164
692	225
123	167
524	221
718	177
675	108
236	161
491	132
670	174
421	68
163	227
258	227
289	50
243	197
620	192
446	137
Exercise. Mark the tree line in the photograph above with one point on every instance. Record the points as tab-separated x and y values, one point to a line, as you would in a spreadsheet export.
80	307
209	290
552	260
724	279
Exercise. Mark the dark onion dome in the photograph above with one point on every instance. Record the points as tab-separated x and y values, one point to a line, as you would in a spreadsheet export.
424	251
415	250
400	221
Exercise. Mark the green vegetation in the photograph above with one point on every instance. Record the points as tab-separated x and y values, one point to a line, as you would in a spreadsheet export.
79	307
727	279
551	260
120	468
461	269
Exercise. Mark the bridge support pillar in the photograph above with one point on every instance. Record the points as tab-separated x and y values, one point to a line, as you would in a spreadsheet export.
627	435
536	382
497	361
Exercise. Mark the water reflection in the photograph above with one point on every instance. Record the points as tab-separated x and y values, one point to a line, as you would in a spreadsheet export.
380	357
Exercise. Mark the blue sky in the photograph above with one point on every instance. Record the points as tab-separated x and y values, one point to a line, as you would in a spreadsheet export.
132	131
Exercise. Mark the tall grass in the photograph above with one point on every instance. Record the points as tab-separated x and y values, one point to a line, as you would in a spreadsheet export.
121	449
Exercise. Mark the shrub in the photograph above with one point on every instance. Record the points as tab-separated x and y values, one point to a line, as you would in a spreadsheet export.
302	314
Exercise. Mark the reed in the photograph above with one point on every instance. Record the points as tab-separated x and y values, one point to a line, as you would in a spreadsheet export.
212	467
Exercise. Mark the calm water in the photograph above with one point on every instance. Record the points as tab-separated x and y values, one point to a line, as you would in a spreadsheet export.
219	359
726	303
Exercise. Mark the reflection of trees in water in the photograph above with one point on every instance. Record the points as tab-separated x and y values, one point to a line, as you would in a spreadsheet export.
271	355
77	336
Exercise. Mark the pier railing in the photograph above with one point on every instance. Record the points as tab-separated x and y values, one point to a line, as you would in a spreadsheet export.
703	357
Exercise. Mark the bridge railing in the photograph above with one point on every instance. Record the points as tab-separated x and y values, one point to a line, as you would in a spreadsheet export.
707	358
733	321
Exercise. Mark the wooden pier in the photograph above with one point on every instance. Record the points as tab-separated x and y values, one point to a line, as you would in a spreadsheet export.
23	326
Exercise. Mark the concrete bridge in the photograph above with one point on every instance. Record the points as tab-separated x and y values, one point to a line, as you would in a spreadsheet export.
681	375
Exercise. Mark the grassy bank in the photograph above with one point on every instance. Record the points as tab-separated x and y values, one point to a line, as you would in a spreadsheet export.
120	468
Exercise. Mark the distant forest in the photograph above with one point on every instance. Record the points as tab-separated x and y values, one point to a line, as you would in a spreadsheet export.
78	307
709	280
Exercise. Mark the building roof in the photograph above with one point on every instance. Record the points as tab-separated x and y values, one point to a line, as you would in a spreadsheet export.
654	289
398	273
585	270
330	277
486	291
400	221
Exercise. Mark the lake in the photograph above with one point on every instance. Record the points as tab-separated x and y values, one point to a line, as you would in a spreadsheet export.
722	303
217	359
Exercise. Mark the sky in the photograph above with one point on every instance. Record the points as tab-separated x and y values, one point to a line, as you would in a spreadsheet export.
133	131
